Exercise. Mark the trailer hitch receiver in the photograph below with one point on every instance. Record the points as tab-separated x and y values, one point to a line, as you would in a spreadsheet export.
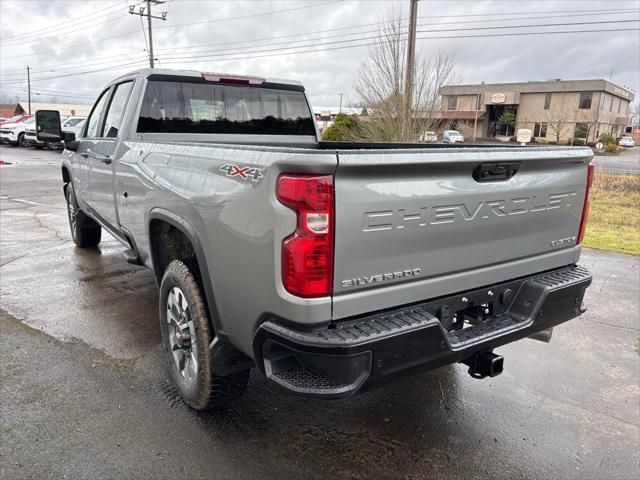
485	364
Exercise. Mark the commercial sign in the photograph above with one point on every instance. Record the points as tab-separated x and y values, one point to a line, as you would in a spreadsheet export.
621	92
524	135
498	98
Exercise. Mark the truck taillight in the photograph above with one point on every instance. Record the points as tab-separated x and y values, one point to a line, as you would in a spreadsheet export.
307	254
585	208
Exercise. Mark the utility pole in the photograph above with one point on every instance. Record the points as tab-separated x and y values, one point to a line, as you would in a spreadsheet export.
149	16
341	95
29	87
475	122
411	54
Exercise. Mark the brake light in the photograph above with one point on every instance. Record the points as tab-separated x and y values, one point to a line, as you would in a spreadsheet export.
232	79
307	254
585	208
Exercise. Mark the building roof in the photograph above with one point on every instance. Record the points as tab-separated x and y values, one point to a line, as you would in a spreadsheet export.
336	110
548	86
64	108
7	110
460	115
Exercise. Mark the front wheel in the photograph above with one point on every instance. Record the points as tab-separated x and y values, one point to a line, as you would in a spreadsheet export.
21	140
85	232
186	336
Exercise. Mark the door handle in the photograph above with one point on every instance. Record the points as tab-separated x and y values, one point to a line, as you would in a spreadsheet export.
103	158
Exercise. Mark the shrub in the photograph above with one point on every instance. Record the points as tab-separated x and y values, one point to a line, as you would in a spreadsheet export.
563	142
611	148
344	128
607	139
579	142
543	141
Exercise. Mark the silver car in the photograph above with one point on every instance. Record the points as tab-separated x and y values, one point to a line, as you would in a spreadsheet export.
452	136
627	142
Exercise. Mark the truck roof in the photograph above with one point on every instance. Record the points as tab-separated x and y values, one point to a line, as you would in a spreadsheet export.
198	74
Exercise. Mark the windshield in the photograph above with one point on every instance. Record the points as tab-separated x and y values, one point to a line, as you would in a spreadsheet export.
183	107
73	121
29	120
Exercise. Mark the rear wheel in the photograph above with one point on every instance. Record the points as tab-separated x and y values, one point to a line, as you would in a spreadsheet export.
85	232
21	140
186	336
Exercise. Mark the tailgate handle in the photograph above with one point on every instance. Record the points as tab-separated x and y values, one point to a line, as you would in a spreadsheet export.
495	172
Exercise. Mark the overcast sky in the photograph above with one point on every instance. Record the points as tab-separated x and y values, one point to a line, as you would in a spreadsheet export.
75	47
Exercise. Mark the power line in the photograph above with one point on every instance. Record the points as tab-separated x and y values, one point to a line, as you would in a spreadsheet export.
367	44
113	67
373	37
191	47
56	27
64	29
99	60
253	15
419	38
584	13
84	64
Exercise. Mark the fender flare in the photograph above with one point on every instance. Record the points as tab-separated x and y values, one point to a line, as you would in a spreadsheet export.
190	232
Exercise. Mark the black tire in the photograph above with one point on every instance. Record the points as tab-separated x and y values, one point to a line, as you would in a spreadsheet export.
21	140
85	232
199	387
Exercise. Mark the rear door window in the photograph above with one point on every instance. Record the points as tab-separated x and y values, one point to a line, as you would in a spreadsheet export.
116	109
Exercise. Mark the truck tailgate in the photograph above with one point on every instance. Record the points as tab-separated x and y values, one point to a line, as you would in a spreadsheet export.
416	224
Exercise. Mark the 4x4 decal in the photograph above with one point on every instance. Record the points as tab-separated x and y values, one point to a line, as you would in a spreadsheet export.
244	173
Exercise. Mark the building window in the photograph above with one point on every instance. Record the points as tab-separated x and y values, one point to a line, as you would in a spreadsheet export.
619	105
602	101
547	101
585	100
452	102
540	129
581	130
478	102
611	105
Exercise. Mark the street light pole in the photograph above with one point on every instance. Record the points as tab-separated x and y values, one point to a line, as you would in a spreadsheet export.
341	94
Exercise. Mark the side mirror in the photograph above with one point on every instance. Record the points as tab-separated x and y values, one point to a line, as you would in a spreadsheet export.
70	142
48	127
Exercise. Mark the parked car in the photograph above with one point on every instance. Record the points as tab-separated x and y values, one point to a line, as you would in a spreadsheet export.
13	133
328	266
452	136
627	142
429	137
30	139
16	119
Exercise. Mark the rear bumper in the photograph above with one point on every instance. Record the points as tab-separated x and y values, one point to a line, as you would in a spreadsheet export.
358	353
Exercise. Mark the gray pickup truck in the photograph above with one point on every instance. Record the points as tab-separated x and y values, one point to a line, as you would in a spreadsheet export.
329	267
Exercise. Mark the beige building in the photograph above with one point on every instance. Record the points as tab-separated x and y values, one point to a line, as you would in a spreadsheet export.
553	110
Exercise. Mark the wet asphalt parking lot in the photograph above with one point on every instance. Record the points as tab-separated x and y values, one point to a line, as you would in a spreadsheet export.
84	393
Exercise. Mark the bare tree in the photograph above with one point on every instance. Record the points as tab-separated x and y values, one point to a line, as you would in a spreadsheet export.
558	115
381	90
590	118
